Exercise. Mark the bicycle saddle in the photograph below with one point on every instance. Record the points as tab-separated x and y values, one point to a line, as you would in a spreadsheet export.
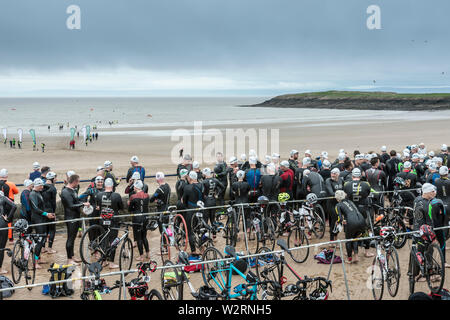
95	268
282	244
183	257
229	250
201	204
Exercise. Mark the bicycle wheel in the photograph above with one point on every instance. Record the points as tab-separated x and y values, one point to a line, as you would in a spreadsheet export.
93	250
180	232
30	270
434	267
318	225
252	237
319	210
171	284
393	272
399	226
377	278
231	230
214	274
154	295
267	238
165	248
268	269
17	262
126	255
297	238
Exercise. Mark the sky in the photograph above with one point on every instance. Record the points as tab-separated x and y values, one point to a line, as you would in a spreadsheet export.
221	48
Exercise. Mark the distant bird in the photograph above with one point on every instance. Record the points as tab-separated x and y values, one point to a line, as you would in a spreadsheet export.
374	81
442	72
426	41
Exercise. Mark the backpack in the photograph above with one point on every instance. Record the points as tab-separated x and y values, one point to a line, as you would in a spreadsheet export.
6	283
57	273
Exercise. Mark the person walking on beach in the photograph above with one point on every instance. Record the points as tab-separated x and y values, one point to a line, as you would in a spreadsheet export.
14	143
7	210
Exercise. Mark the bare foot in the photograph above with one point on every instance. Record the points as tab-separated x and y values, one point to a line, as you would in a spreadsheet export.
3	271
355	259
51	251
76	259
139	259
113	266
38	266
368	254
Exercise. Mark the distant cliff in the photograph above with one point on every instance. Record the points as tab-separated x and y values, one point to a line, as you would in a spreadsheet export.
359	100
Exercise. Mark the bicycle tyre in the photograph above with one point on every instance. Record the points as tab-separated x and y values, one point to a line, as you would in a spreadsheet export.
267	237
377	279
164	244
399	227
297	238
267	268
318	225
31	267
319	210
395	272
180	232
86	244
440	265
154	295
15	261
412	280
168	284
126	252
209	270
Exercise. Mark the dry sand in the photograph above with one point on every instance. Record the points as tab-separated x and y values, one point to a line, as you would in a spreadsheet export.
154	153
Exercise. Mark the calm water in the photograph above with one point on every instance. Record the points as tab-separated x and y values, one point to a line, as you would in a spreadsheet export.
37	113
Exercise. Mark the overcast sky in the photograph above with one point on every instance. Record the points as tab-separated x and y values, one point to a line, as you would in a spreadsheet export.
226	47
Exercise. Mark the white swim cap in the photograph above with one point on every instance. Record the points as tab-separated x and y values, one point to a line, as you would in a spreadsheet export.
341	156
240	174
50	175
107	164
306	172
428	187
284	163
70	173
327	164
3	173
195	165
134	159
36	166
306	160
252	153
444	147
356	173
98	179
193	175
407	165
109	183
100	168
308	152
38	182
340	195
136	176
27	183
443	171
431	154
383	149
252	160
293	151
159	176
138	184
233	160
207	172
183	172
336	171
243	157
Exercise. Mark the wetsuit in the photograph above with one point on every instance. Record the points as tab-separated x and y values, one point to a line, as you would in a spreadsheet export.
438	215
72	205
188	167
139	204
410	183
325	173
25	208
253	178
392	170
331	187
179	188
49	196
355	224
110	175
7	208
138	169
240	191
221	172
34	175
293	164
346	175
384	157
270	188
110	202
378	182
90	193
38	215
298	178
232	178
444	157
211	187
130	189
287	183
162	197
443	191
192	194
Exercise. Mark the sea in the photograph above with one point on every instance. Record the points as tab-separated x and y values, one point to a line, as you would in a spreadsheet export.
153	115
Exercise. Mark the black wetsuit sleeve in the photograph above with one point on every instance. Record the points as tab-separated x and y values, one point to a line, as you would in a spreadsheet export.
220	186
34	201
10	208
69	200
329	187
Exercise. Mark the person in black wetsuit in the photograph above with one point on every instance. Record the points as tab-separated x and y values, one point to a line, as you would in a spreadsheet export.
162	198
91	192
49	195
333	184
443	188
109	174
72	205
196	169
358	192
325	171
193	193
384	156
25	208
293	160
240	191
232	178
130	187
185	164
109	201
221	172
138	203
211	188
377	180
179	188
270	187
346	172
39	215
353	222
7	210
392	169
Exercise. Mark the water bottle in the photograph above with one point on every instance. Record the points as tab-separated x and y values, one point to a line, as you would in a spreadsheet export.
283	217
115	242
27	250
419	257
256	224
169	232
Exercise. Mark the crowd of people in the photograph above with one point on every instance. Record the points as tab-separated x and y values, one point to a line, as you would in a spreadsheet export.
343	186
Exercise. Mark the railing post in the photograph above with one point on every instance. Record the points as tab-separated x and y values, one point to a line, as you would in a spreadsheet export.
343	268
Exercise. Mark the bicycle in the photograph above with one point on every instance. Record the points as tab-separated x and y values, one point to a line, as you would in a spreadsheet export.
385	266
260	230
311	215
218	274
138	287
426	260
174	233
100	248
231	227
270	267
172	282
202	231
392	216
22	255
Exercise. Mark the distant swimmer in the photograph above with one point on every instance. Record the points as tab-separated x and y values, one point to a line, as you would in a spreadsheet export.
43	147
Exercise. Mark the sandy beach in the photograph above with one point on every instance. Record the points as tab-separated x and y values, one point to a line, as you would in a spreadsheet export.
154	153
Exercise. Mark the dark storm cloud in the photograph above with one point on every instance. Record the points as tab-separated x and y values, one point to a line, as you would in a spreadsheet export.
282	40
